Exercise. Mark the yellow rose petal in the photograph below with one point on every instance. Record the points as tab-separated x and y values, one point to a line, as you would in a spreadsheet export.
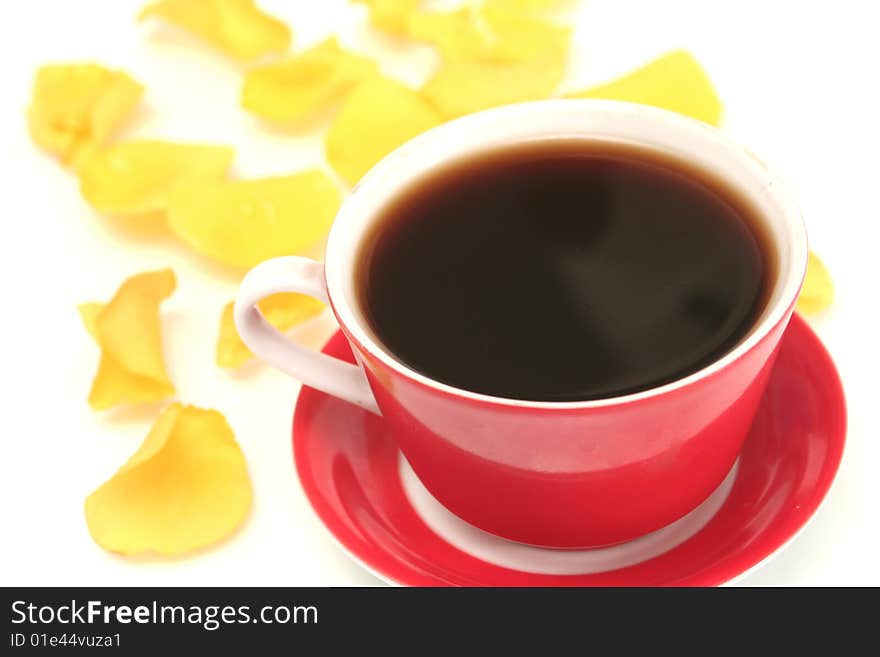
458	35
114	385
128	330
237	27
390	15
378	116
675	82
242	223
135	177
520	39
283	311
185	488
490	35
818	290
299	87
76	108
460	88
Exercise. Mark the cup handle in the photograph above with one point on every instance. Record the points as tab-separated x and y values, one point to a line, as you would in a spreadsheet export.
314	369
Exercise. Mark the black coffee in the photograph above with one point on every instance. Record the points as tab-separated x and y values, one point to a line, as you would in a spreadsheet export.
563	271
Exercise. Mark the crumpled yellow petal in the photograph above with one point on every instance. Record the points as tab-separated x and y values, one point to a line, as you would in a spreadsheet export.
377	117
297	88
76	108
113	384
283	311
818	290
490	35
244	222
185	488
237	27
460	88
135	177
675	82
128	330
390	15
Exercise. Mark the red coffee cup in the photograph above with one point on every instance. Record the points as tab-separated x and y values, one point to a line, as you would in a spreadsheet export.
555	474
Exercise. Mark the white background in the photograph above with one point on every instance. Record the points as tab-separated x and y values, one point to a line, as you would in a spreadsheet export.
800	85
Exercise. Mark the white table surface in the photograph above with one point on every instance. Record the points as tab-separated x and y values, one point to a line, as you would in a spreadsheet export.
800	85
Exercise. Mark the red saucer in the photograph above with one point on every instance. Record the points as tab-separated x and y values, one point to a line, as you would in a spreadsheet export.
352	473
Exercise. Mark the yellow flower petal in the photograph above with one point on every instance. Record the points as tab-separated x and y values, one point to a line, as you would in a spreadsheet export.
113	384
520	39
298	87
237	27
390	15
490	35
242	223
818	290
460	88
135	177
458	35
75	108
128	326
283	311
378	116
675	82
127	329
185	488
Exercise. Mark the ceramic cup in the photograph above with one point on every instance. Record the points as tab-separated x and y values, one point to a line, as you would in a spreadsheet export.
554	474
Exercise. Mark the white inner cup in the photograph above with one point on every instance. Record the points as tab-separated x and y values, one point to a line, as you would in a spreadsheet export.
702	146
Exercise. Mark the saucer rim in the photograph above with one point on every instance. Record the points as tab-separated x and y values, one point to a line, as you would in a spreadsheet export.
724	576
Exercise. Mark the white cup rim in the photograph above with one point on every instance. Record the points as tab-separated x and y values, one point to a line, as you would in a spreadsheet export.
585	119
